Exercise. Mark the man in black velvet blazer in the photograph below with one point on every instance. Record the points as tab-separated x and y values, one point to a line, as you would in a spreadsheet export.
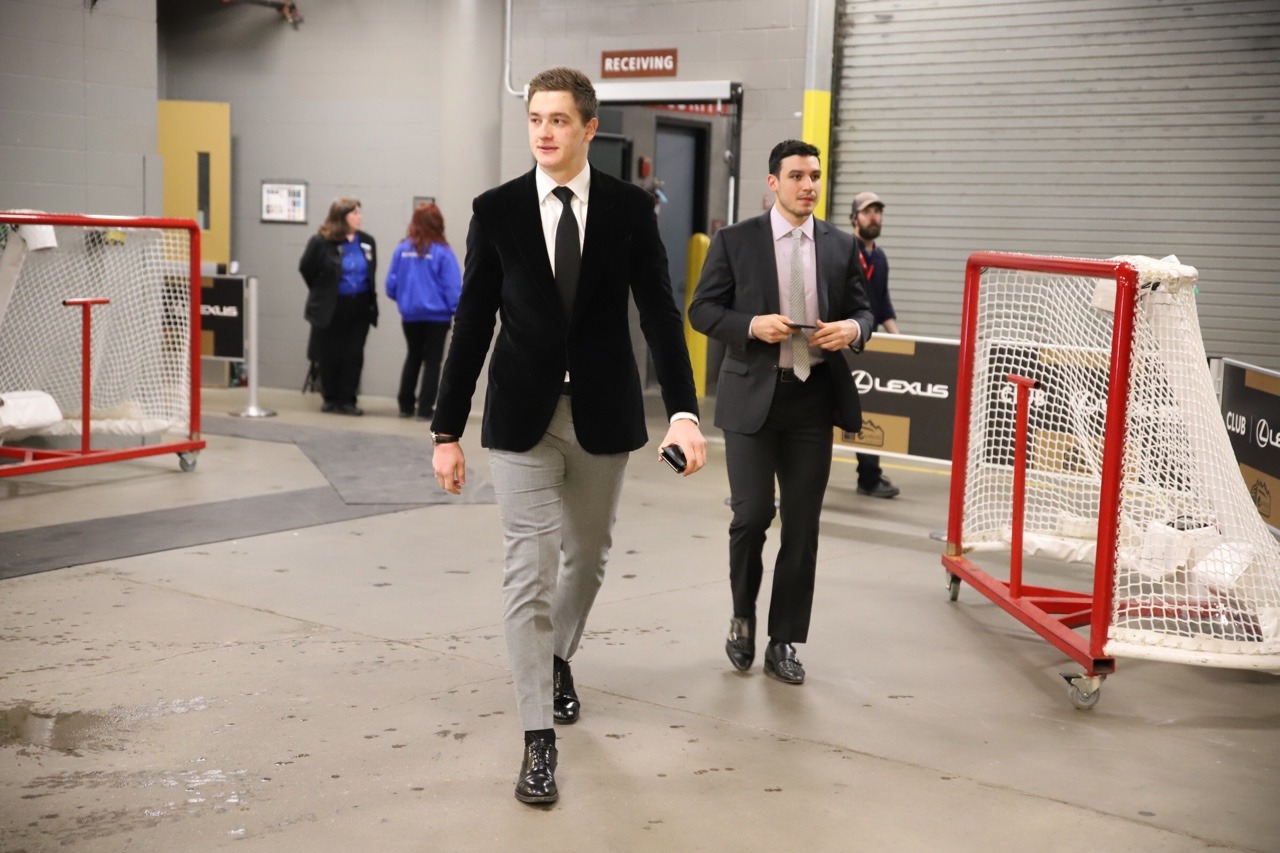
783	291
555	255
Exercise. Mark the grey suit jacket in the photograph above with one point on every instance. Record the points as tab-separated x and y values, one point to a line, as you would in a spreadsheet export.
740	281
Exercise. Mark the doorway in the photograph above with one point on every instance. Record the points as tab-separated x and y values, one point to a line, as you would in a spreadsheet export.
682	147
680	187
611	154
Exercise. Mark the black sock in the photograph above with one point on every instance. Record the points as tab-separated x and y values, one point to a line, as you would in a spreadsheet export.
548	735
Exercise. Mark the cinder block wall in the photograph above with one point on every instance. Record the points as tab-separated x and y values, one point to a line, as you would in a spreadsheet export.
78	106
383	101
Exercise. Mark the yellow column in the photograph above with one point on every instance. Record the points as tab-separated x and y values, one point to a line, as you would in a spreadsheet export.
696	341
815	124
815	128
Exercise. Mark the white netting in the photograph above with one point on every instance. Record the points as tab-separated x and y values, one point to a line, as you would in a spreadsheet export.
1197	572
140	355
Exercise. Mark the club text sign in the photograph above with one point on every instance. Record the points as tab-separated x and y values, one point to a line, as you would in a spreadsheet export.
662	62
1251	411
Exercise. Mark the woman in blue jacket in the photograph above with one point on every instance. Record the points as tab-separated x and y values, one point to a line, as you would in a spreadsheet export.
424	280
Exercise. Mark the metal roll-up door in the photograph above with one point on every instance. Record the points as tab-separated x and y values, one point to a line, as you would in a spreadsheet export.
1060	127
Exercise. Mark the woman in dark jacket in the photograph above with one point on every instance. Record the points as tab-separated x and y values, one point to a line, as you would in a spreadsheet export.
338	266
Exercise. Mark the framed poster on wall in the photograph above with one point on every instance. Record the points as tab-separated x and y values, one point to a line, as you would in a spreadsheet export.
284	201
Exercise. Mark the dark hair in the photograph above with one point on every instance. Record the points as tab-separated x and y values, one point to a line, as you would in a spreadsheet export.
335	228
789	148
426	227
569	80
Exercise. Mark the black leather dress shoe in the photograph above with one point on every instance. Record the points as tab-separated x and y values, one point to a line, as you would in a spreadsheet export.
565	706
350	409
780	662
537	782
741	644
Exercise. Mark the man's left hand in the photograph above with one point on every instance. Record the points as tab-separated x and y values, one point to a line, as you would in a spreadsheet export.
837	335
685	433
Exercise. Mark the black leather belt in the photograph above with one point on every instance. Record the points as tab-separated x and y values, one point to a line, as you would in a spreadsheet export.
564	390
786	374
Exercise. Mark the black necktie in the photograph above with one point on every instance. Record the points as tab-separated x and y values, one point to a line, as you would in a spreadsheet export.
568	251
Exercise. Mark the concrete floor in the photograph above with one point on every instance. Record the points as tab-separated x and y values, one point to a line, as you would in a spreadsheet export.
344	686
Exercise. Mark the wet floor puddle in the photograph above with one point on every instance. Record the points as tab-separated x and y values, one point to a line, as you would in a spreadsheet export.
67	732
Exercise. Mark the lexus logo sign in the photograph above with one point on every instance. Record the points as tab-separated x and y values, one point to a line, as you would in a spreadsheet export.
905	381
866	383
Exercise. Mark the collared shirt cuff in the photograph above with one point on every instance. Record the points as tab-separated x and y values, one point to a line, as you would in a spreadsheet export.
685	416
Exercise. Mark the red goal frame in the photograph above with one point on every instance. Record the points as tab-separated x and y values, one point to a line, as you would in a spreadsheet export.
1052	613
34	461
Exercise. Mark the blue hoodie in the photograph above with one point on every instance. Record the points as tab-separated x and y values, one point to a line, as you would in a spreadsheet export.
425	288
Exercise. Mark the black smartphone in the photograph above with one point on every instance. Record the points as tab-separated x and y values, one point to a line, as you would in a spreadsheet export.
674	457
801	326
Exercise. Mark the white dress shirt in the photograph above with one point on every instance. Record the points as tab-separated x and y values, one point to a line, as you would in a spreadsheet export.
551	209
782	257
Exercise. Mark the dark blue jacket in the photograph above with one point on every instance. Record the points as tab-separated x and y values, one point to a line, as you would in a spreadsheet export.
321	268
875	269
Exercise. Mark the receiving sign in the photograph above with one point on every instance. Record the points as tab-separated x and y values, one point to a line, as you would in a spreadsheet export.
907	387
660	62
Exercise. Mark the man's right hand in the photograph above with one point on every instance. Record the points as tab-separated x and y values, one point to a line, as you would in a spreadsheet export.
450	466
771	328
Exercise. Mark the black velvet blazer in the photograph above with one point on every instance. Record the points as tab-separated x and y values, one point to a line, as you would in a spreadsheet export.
508	277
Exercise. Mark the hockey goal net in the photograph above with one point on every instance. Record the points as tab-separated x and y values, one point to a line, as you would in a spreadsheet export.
1127	461
142	364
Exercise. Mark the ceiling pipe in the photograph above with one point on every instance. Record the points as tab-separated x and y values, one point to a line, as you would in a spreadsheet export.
506	64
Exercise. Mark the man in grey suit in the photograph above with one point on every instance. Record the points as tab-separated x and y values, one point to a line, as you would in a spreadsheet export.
558	253
783	291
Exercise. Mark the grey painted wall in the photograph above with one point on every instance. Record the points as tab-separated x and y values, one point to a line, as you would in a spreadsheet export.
78	106
381	100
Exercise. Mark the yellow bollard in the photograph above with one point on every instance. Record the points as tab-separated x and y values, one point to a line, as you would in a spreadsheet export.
696	341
